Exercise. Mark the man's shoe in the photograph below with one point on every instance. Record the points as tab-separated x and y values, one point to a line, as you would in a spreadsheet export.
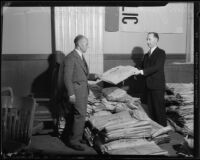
83	141
77	147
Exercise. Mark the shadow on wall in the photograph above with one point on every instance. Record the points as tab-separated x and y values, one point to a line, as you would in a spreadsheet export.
41	86
50	84
137	55
136	83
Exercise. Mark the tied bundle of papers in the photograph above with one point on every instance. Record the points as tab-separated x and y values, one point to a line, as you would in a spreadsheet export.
180	109
133	147
118	74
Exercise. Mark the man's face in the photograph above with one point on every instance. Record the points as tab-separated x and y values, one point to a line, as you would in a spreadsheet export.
83	44
151	41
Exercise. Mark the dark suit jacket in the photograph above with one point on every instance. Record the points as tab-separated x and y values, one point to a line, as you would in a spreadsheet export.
76	74
153	68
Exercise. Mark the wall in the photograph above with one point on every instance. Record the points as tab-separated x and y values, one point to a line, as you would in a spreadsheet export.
128	47
26	30
123	42
26	50
26	47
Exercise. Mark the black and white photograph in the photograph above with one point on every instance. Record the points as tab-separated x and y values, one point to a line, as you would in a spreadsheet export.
92	79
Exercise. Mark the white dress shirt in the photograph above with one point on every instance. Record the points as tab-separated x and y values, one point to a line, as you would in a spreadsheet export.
80	53
152	49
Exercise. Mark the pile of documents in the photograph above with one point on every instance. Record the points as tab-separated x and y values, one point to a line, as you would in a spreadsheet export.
183	110
133	147
116	121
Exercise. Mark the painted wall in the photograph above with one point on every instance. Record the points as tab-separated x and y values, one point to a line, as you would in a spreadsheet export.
26	30
116	42
124	43
26	48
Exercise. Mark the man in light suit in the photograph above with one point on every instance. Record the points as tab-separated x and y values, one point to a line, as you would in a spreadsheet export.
76	75
152	69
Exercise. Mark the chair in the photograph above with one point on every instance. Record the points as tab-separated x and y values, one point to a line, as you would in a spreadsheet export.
17	120
7	91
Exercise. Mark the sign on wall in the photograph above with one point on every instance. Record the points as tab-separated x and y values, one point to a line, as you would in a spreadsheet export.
163	19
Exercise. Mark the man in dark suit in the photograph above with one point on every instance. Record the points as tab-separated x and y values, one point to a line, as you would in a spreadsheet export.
76	75
152	69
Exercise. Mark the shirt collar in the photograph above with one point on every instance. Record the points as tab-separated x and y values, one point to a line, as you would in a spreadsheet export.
80	53
152	49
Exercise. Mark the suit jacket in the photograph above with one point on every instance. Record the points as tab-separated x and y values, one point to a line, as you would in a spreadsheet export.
153	68
76	74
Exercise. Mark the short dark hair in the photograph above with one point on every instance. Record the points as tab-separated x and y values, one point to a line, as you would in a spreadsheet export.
77	38
154	34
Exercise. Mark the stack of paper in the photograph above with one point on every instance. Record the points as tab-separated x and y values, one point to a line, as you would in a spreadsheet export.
113	117
118	74
139	147
185	109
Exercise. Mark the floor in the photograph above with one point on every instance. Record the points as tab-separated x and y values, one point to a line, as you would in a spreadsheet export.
45	143
48	144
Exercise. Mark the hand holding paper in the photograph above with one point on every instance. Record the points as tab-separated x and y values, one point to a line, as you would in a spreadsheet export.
98	76
118	74
137	72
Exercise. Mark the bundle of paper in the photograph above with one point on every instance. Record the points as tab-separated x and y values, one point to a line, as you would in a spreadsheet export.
164	138
114	93
118	74
181	87
133	123
102	113
100	122
129	128
147	148
96	90
123	143
120	126
110	105
94	97
173	100
132	147
89	136
132	133
182	116
139	114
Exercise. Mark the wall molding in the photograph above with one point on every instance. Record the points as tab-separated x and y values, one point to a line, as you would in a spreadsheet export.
107	56
22	57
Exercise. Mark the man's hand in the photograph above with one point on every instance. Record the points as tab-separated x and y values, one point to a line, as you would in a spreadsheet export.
137	72
98	76
72	99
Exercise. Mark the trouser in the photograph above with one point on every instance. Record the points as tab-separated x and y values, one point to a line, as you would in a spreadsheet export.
156	106
79	110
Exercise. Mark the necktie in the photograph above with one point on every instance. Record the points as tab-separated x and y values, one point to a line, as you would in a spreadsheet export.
149	53
84	61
